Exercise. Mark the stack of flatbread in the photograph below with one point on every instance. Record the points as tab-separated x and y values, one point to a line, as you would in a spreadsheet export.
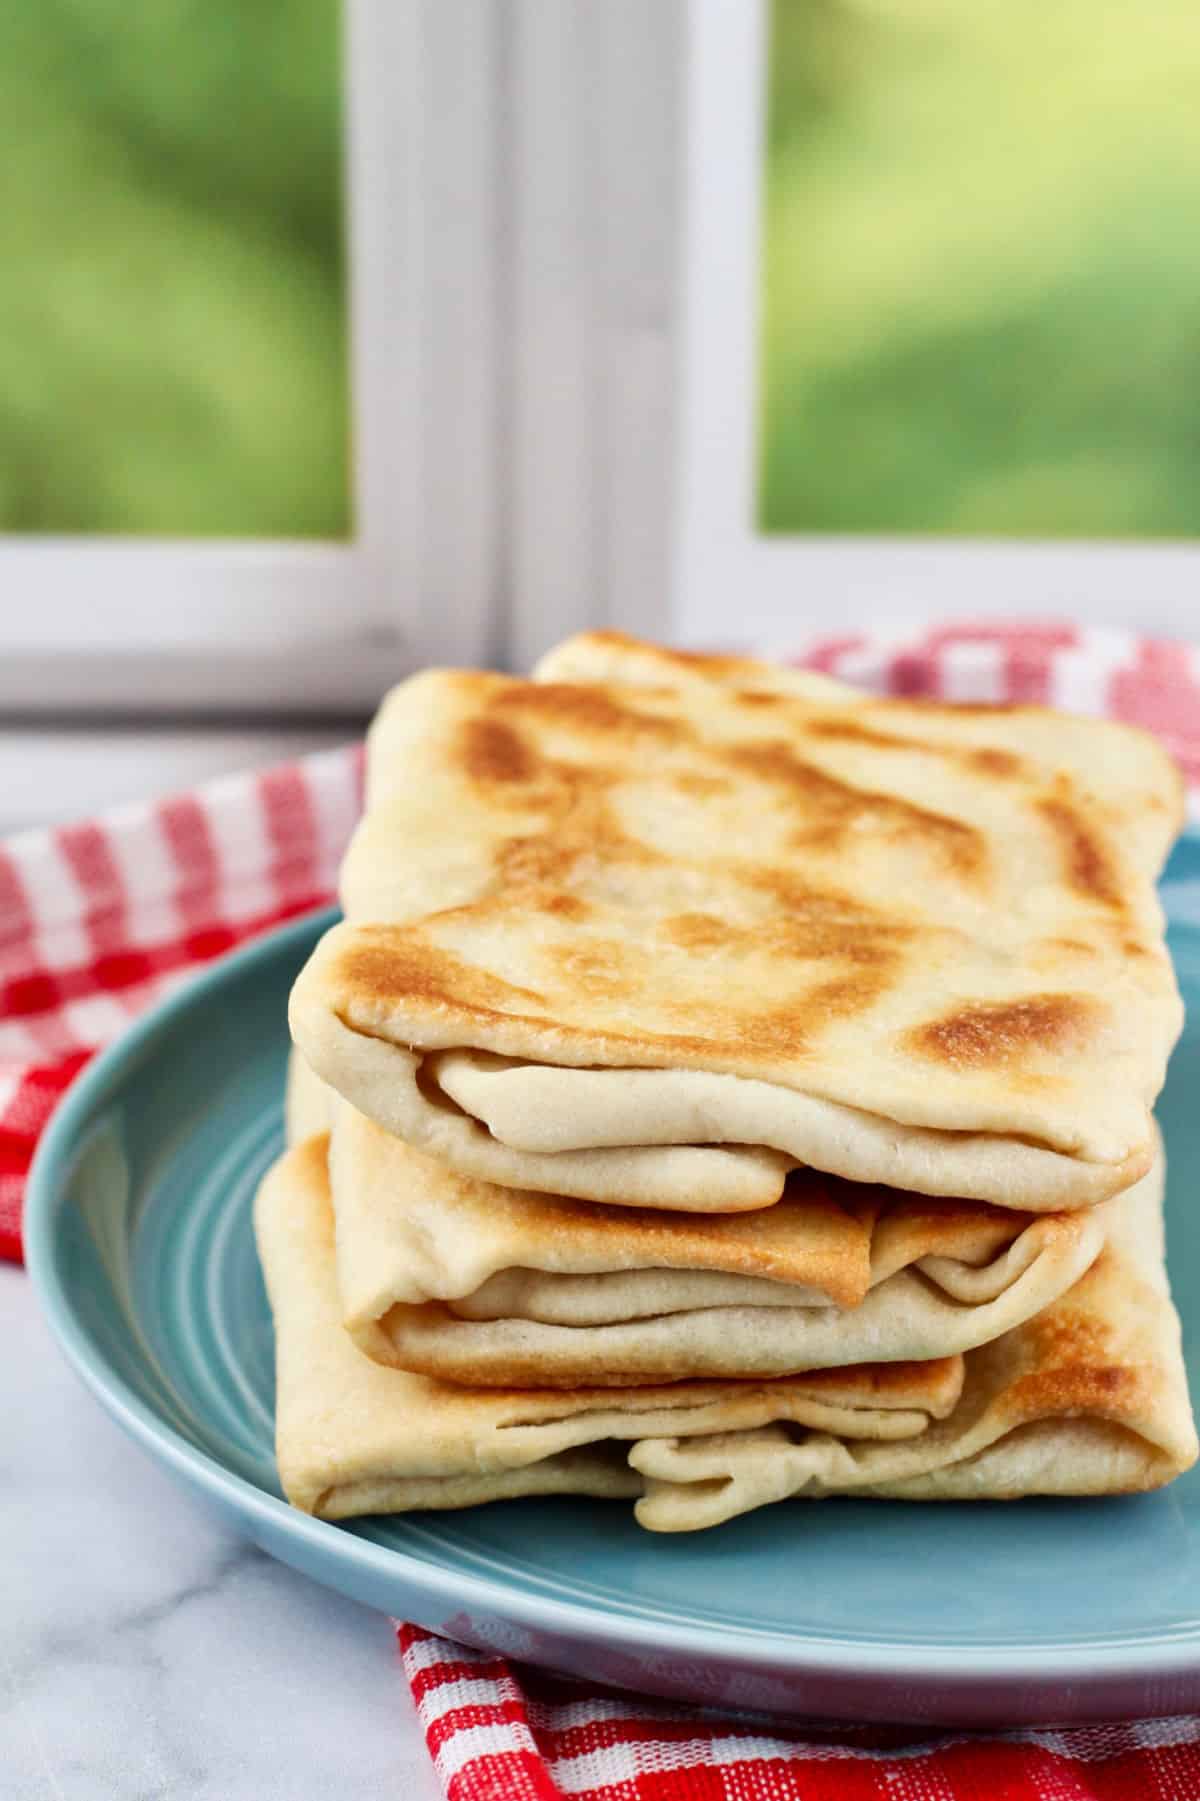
727	1086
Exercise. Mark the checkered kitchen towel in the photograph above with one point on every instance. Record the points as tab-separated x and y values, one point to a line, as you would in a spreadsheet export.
99	920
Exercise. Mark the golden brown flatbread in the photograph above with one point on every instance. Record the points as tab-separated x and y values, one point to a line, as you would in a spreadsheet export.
1123	771
470	1282
353	1437
657	939
1087	1398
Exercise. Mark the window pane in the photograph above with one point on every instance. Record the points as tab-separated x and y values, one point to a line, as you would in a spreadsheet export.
172	313
981	300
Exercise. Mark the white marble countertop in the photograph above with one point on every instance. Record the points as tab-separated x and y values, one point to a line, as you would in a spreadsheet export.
149	1653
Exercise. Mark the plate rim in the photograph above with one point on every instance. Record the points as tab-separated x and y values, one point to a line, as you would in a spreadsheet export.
952	1668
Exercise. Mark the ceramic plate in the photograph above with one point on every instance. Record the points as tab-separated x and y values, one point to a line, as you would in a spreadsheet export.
139	1241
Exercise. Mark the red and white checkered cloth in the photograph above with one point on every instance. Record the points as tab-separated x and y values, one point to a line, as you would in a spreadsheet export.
99	920
504	1731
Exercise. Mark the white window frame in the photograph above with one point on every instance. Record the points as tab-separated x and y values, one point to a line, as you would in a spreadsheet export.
101	625
732	583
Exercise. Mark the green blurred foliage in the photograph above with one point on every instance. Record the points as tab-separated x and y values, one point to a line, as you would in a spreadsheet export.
172	318
981	283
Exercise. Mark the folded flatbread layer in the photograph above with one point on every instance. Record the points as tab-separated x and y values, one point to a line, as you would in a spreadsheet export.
657	944
353	1437
1088	1398
490	1286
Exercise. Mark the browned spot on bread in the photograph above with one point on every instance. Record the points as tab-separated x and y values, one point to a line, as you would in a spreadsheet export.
936	1383
780	1031
775	1031
760	697
563	906
536	860
1074	1389
843	995
1076	1362
596	966
788	888
585	708
490	751
839	730
1004	764
1071	947
1067	1334
575	819
857	964
813	925
1087	863
309	1160
822	922
701	786
700	931
789	1027
833	808
382	964
996	1034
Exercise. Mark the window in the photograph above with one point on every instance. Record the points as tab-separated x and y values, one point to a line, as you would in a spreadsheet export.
212	305
980	270
941	289
173	344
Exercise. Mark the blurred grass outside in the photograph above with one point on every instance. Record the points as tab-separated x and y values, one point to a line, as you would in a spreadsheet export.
172	317
980	303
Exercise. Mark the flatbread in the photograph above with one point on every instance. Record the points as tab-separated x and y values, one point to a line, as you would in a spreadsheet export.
310	1106
1124	771
657	944
1088	1398
479	1284
353	1437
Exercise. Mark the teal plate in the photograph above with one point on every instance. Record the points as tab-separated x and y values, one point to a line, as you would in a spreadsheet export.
139	1242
